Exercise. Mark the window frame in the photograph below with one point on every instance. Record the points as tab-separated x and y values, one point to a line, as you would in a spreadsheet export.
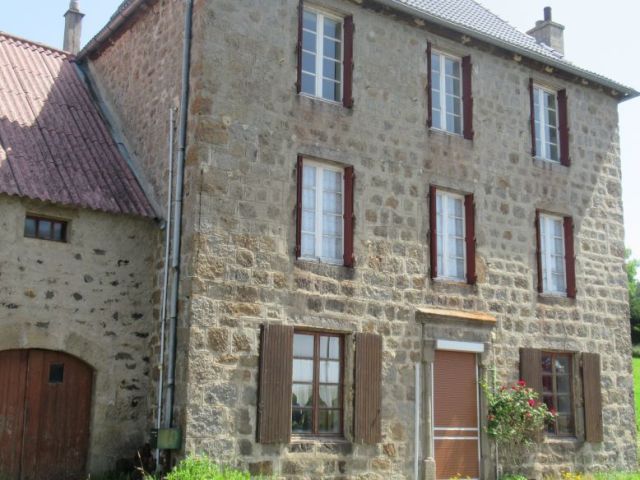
317	334
443	93
321	166
541	118
319	54
54	221
554	395
445	229
547	256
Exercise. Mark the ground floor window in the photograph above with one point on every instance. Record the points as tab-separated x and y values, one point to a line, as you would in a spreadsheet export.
557	392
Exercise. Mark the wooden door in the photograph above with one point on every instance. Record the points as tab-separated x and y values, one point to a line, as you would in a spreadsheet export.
455	404
45	399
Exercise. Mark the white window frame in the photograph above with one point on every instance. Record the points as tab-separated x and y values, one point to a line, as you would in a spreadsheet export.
547	255
443	92
540	115
319	53
320	167
445	233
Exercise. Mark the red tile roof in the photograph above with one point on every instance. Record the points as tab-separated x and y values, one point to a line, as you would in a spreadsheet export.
54	144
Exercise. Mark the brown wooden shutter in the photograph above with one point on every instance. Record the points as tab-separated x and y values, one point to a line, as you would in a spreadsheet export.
368	389
349	29
539	253
569	257
532	118
274	397
467	98
433	234
299	46
592	397
531	368
563	128
429	86
299	169
349	216
470	227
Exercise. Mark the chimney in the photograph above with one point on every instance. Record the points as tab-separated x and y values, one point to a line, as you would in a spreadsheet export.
72	28
549	32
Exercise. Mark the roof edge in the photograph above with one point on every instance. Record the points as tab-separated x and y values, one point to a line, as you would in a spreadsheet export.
627	92
70	56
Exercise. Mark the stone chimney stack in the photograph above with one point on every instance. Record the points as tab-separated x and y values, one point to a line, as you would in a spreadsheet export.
72	28
549	32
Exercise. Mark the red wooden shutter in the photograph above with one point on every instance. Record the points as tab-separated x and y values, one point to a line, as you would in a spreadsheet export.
299	47
347	94
467	99
274	397
368	389
349	216
299	207
531	373
532	118
470	227
429	92
592	397
433	234
539	253
569	257
563	127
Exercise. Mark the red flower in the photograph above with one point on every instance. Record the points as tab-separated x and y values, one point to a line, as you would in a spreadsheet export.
522	383
553	411
532	402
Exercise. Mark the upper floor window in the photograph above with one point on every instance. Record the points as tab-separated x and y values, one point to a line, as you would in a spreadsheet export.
45	228
325	55
325	212
452	235
549	128
555	254
449	94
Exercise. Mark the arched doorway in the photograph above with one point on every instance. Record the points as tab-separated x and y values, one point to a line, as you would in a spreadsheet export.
45	408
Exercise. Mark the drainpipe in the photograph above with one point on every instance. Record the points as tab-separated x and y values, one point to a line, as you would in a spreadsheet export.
177	216
165	282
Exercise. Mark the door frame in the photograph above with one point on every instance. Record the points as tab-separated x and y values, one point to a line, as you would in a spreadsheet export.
477	349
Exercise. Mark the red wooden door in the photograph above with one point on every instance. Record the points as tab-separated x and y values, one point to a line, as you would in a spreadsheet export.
48	408
455	403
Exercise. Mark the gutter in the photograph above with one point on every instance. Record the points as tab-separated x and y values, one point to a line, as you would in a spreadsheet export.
626	93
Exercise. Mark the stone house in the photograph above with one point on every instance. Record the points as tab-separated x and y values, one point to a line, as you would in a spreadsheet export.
380	203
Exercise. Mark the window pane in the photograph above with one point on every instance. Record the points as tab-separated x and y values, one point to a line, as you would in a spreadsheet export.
332	49
553	152
331	69
332	181
329	371
301	421
565	424
564	404
332	247
332	203
435	119
329	421
546	363
302	395
435	63
459	273
332	28
58	231
44	229
452	67
309	41
563	384
308	221
329	396
308	84
330	90
332	225
309	199
547	384
308	62
302	370
309	20
302	345
330	347
308	246
30	227
309	176
562	365
550	101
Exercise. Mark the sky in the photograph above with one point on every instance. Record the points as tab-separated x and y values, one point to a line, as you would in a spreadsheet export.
598	36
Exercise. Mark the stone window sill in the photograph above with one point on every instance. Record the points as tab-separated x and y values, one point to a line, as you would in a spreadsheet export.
551	299
550	165
333	270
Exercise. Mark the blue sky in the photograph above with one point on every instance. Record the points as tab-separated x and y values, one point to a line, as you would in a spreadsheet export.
598	36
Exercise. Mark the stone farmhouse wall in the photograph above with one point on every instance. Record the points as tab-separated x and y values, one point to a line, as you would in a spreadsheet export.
90	298
246	127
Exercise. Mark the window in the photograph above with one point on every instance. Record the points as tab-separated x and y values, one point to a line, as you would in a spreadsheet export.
549	124
56	373
322	52
325	212
553	261
45	229
545	107
556	261
452	235
557	392
316	398
446	93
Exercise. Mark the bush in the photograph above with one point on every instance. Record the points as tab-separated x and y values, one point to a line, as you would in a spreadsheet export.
203	468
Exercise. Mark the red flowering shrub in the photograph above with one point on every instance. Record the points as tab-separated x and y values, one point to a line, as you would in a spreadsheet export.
516	416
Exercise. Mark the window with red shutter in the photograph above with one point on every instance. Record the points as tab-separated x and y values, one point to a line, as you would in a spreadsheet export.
569	256
449	93
470	237
349	216
467	98
349	30
563	128
429	88
555	254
